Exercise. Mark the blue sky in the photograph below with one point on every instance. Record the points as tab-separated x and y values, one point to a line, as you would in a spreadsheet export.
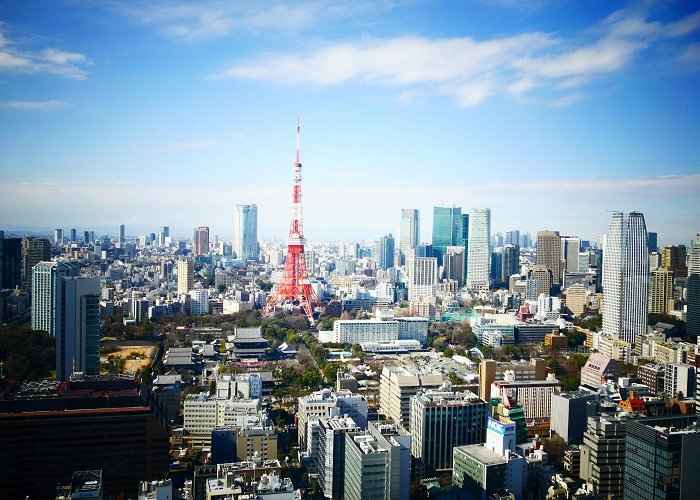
153	113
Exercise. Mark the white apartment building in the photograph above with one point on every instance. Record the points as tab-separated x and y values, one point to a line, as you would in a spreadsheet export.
422	277
326	403
203	413
199	302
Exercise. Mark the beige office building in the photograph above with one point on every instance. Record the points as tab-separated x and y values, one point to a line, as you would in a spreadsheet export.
397	386
549	253
660	291
185	276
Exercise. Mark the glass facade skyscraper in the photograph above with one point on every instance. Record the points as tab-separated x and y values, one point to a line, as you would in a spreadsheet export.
447	230
245	232
409	232
479	258
626	277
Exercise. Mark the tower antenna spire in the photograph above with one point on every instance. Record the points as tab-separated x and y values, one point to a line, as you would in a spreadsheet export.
298	134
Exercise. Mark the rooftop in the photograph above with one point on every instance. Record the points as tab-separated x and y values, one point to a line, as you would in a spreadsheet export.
481	454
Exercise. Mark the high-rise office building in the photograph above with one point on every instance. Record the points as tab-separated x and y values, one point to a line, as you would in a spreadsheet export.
653	245
570	249
245	232
410	232
549	253
626	277
693	305
511	261
200	242
121	239
454	264
34	250
86	237
10	263
58	236
47	293
693	290
442	419
422	277
385	252
496	271
673	257
447	225
378	463
479	252
513	237
331	456
694	256
660	291
74	235
658	451
78	329
185	276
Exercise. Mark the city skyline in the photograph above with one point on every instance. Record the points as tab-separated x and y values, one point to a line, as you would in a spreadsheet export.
551	115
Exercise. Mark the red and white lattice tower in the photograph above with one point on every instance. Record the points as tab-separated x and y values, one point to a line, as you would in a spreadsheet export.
295	286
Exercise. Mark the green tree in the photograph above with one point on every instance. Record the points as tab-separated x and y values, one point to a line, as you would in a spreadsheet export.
448	352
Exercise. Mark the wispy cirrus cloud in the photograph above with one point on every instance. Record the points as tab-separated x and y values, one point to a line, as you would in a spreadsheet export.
34	105
16	58
211	19
469	70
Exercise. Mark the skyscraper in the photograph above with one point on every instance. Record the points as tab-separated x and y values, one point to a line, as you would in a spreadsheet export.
77	309
511	261
673	257
10	262
660	291
58	236
447	225
121	239
47	292
454	264
478	260
410	232
653	245
185	276
626	277
200	242
570	248
385	252
549	253
34	250
245	232
513	237
693	293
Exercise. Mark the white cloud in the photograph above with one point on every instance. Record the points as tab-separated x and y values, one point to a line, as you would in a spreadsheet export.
211	19
36	105
16	59
470	70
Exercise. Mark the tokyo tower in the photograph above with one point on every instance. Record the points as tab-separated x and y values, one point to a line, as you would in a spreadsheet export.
295	287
